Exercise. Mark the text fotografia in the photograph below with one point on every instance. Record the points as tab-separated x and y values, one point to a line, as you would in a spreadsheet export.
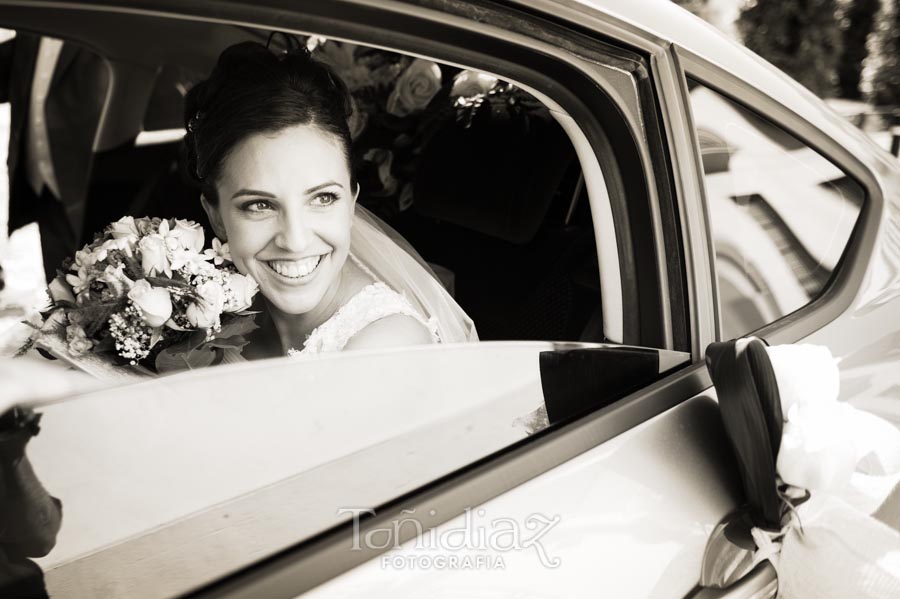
490	538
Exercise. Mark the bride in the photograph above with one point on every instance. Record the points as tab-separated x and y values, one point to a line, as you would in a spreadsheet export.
268	146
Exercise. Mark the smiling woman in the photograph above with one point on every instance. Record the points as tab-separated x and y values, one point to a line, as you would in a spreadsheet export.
269	146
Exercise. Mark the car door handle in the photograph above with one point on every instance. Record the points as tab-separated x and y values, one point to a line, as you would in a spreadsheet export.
759	583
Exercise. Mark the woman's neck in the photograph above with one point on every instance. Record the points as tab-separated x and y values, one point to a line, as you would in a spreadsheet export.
293	329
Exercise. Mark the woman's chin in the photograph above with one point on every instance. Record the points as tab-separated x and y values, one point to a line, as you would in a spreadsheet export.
291	304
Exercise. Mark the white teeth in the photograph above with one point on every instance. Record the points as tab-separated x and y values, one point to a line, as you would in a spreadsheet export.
294	269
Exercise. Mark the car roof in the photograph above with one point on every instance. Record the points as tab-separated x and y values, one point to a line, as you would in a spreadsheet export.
668	23
659	20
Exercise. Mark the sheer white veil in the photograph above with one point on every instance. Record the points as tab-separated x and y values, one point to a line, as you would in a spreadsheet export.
395	262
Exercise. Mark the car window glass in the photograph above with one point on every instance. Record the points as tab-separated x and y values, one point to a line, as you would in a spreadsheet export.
203	473
473	171
781	214
161	476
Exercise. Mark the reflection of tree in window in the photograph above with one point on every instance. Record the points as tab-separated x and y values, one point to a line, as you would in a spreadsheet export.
775	205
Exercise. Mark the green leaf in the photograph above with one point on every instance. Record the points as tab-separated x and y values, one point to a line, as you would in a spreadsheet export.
201	357
65	304
168	282
96	315
107	344
135	267
238	325
234	342
170	361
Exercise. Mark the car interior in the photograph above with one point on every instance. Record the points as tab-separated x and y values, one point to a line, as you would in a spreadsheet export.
538	221
515	233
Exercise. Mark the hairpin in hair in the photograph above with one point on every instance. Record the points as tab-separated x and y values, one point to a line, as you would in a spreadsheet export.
195	121
291	43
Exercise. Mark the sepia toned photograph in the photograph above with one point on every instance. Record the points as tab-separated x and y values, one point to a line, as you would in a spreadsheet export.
523	299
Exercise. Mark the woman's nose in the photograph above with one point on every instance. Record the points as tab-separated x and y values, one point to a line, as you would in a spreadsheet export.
294	234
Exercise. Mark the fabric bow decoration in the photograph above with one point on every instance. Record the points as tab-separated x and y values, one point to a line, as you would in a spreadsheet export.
814	469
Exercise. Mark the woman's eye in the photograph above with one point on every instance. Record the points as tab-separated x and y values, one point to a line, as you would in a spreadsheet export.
325	199
256	206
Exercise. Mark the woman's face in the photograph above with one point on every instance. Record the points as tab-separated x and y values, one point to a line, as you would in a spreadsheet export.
285	206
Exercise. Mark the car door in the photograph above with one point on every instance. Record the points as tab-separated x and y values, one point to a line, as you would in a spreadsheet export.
615	497
626	495
619	506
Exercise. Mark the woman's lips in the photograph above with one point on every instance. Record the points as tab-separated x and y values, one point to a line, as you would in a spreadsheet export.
295	269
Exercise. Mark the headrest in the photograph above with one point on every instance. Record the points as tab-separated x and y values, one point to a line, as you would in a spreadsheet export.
497	176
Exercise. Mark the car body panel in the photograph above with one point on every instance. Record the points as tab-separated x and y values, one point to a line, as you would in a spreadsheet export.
633	514
205	458
635	508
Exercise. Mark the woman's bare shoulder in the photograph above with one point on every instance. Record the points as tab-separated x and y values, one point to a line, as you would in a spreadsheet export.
391	331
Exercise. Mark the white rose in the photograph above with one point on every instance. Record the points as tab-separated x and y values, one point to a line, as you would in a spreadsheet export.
155	303
472	83
414	88
77	342
189	235
153	255
243	288
61	291
124	228
116	279
384	159
204	313
358	119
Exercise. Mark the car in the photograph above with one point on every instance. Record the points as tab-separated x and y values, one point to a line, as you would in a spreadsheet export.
636	188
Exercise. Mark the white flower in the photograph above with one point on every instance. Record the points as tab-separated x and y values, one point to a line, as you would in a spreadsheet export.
472	83
384	159
60	291
77	342
358	119
124	244
189	261
79	275
204	313
219	252
124	228
155	303
116	279
85	257
188	234
242	288
80	281
414	88
154	255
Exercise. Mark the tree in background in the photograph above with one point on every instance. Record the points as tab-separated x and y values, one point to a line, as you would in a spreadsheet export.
884	58
801	37
698	7
857	24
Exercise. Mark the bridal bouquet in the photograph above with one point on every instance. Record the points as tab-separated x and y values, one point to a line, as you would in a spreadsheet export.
146	293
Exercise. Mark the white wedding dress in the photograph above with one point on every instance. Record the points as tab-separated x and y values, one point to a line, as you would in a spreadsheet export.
372	303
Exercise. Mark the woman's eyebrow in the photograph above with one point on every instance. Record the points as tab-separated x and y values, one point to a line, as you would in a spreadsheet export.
252	192
322	186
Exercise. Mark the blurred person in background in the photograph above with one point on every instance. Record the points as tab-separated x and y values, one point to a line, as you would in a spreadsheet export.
56	91
29	517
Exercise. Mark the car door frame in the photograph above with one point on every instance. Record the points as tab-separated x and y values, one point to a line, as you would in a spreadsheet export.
317	559
850	271
325	556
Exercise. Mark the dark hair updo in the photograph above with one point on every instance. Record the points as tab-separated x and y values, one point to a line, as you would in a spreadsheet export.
255	90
